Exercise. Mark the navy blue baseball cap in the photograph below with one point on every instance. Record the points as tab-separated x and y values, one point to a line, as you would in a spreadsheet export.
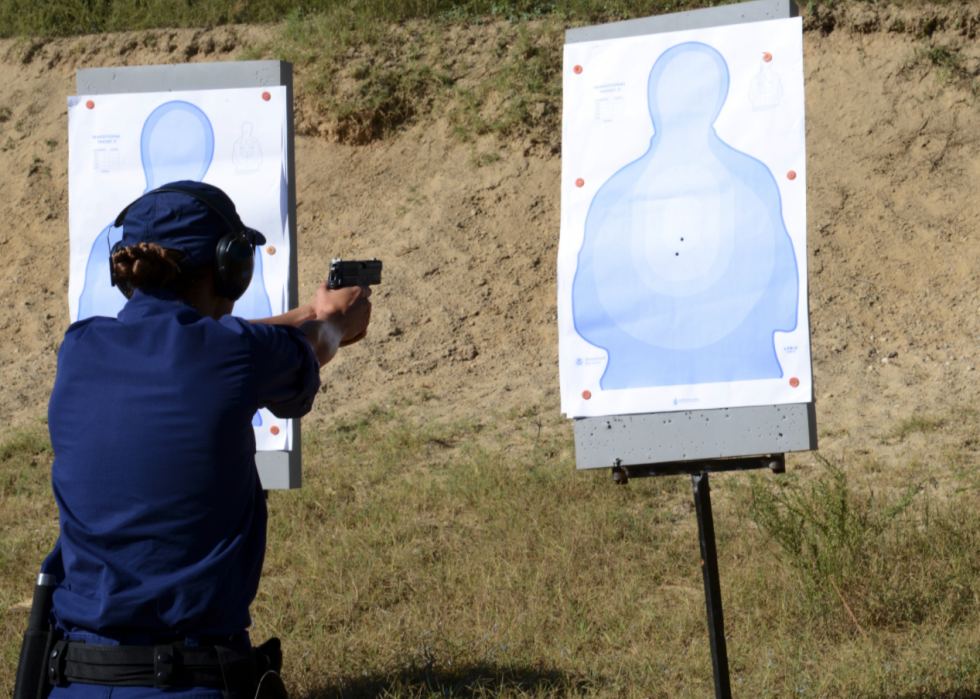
181	220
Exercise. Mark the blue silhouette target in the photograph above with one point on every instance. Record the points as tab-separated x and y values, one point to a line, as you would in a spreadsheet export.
686	270
177	143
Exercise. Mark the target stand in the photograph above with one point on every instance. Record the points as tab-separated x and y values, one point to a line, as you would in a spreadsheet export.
701	442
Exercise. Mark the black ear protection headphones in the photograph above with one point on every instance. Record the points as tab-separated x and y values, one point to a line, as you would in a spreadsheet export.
234	255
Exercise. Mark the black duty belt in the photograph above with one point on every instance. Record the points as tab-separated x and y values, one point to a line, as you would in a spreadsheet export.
161	666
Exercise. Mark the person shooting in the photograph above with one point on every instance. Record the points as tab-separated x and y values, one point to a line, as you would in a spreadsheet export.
163	517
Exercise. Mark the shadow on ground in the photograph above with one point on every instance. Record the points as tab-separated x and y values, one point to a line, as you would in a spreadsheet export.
464	682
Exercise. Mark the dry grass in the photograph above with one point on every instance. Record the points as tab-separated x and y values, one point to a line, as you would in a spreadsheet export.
471	559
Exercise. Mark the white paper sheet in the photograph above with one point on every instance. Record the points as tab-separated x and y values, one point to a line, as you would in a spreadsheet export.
682	262
123	145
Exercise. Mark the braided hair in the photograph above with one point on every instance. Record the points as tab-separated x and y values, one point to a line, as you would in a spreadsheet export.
147	265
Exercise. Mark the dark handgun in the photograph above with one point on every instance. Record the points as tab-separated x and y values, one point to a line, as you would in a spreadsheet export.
353	273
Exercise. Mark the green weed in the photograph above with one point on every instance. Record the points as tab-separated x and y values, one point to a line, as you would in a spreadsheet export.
38	167
888	559
484	159
947	61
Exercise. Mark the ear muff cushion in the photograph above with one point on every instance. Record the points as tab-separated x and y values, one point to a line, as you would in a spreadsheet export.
234	263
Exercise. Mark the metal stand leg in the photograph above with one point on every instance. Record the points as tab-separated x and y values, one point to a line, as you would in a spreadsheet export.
712	589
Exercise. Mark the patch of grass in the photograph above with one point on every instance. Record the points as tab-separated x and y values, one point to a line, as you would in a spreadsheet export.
38	167
366	77
255	52
887	559
471	559
917	423
413	199
24	446
43	18
468	558
28	529
484	159
946	60
827	432
524	96
5	114
50	143
942	56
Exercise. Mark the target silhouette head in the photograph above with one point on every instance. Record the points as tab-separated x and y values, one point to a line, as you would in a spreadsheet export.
687	87
177	143
247	129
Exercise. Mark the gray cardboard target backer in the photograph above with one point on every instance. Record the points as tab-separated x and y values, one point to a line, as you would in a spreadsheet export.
634	440
278	470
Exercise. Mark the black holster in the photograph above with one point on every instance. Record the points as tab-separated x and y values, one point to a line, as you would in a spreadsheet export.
39	637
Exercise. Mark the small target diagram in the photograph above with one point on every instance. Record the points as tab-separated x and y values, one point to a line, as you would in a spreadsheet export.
683	242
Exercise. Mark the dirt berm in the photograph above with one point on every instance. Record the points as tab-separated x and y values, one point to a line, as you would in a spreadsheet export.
467	311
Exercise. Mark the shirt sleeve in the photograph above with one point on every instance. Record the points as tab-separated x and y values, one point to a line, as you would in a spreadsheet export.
287	373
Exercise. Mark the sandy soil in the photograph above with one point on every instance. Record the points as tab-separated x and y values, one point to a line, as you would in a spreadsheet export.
467	311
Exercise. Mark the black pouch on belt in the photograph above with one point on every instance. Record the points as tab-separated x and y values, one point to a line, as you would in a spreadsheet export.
38	638
254	675
268	659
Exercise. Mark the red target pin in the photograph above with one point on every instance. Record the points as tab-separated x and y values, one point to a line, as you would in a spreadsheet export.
794	382
586	394
274	430
578	70
266	96
579	182
90	104
791	175
766	56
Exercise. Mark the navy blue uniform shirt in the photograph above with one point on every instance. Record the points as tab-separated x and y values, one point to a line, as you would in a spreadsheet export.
163	517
